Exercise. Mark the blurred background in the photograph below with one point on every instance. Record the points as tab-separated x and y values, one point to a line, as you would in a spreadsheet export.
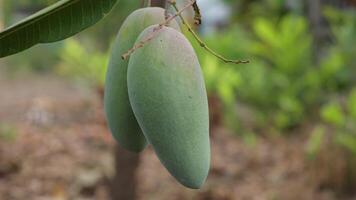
282	127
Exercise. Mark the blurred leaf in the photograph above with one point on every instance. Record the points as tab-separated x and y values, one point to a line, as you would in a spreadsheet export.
265	30
255	87
286	44
332	113
227	85
81	64
330	68
210	67
220	78
340	64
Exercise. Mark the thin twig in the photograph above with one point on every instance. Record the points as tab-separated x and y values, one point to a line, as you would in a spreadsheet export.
200	41
155	31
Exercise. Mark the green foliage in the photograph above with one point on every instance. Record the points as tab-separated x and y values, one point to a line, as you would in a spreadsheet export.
337	74
56	22
285	45
221	79
224	84
279	82
339	115
283	51
339	66
332	114
82	64
284	86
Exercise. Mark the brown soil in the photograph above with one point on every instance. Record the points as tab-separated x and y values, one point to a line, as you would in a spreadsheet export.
54	145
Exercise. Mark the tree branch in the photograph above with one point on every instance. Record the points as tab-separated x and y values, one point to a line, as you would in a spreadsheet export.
200	41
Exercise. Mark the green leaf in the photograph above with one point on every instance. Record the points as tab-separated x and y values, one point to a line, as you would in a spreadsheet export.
56	22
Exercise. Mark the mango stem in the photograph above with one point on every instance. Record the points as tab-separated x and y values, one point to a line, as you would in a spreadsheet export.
201	42
156	30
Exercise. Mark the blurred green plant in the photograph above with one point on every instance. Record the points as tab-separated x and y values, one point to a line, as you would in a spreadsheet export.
283	49
283	87
280	79
337	75
338	115
339	66
332	113
334	140
82	64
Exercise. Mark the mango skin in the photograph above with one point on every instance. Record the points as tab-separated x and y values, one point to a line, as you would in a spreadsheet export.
120	118
168	96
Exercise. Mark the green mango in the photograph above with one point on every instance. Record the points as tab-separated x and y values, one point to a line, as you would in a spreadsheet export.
120	118
168	96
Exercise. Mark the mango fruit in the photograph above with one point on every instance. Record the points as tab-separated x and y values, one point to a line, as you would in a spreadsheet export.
120	118
168	97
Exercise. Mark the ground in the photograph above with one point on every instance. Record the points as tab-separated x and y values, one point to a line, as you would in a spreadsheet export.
54	144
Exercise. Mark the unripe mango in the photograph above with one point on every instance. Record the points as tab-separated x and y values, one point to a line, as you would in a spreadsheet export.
120	117
168	96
